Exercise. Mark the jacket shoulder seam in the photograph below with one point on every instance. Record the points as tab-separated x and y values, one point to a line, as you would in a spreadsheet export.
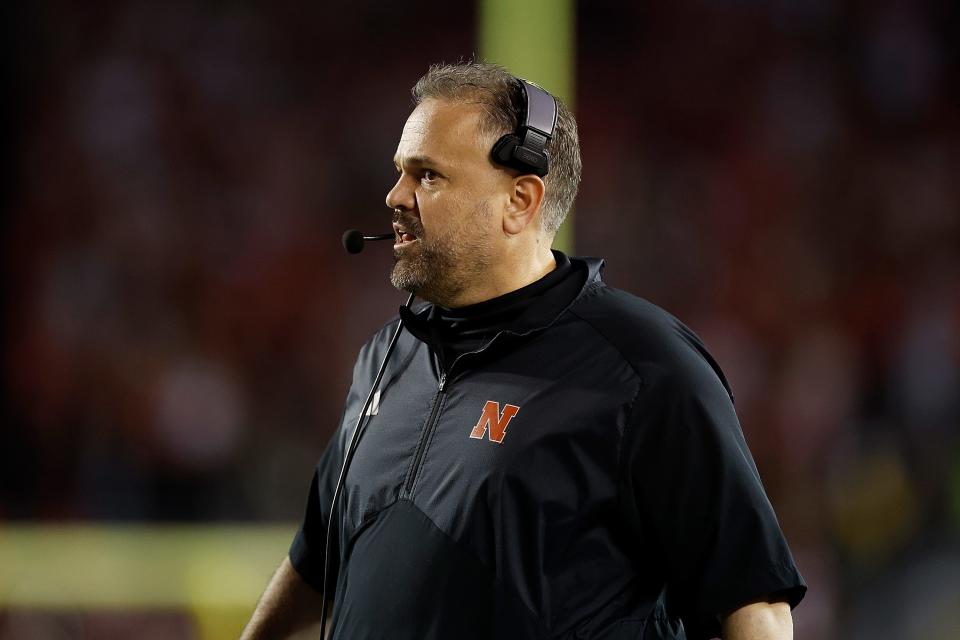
608	340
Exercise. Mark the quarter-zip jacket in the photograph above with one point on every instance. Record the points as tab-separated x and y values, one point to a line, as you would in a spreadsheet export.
586	478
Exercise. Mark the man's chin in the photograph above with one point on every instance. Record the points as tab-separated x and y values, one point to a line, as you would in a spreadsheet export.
403	278
415	282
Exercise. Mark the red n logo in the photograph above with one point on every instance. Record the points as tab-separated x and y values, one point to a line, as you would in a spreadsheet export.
493	422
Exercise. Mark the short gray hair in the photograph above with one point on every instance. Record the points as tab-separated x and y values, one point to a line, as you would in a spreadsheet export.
497	90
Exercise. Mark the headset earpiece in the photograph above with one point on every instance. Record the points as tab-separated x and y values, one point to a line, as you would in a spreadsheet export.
526	149
503	149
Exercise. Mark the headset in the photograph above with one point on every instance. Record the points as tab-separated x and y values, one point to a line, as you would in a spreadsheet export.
526	149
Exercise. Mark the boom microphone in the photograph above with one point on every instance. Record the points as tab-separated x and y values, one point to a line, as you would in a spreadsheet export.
353	240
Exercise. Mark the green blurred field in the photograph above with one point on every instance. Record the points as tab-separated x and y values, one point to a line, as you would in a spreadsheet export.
213	572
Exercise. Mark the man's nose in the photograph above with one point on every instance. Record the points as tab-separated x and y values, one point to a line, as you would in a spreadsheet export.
402	196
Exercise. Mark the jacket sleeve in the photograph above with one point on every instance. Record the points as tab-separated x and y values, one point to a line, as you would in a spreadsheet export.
307	550
697	500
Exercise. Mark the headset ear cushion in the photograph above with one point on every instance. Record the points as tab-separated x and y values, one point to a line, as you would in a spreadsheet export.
503	150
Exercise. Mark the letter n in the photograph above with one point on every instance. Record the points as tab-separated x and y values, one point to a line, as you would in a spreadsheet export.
494	423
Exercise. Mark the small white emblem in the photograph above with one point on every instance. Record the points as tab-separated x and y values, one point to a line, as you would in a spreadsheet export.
374	407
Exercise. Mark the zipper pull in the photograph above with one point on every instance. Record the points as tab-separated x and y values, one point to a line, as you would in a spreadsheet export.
443	381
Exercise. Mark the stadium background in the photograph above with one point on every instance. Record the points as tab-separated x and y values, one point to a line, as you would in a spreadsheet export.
180	319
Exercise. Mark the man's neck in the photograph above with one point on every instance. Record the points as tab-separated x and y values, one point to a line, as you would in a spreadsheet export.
510	276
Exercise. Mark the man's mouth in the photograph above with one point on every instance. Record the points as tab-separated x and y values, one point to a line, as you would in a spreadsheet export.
404	236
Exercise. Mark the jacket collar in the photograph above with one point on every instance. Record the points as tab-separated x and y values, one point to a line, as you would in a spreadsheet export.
537	318
595	268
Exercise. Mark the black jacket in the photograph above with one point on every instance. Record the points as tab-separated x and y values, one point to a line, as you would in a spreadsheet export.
620	502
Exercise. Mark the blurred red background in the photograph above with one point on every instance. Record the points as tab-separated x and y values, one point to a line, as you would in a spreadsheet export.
784	177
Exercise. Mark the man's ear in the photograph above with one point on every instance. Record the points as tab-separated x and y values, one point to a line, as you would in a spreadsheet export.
526	198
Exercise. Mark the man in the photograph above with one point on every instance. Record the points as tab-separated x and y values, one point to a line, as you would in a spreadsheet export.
545	456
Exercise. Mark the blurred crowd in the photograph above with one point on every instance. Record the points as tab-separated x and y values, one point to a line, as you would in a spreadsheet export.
781	176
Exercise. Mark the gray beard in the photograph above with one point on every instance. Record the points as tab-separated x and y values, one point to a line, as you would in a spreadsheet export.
430	273
439	272
440	269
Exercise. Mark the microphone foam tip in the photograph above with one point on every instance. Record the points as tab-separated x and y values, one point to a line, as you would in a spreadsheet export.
353	241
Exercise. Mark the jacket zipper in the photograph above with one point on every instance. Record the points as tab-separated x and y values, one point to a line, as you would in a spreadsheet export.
435	411
425	436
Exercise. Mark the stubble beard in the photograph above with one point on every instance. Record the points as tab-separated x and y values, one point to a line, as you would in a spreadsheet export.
440	268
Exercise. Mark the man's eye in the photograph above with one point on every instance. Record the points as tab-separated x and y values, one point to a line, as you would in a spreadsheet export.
429	176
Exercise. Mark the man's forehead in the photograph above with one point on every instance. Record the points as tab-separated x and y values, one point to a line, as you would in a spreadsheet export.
439	130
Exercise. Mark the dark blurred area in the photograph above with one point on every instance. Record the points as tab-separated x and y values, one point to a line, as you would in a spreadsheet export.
783	176
185	319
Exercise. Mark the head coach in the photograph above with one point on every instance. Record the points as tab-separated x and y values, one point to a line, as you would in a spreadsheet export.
539	455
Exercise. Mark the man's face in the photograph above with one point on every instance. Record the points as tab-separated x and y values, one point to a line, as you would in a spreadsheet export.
446	203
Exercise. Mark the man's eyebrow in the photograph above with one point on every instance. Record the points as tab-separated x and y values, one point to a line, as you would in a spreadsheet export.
418	161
